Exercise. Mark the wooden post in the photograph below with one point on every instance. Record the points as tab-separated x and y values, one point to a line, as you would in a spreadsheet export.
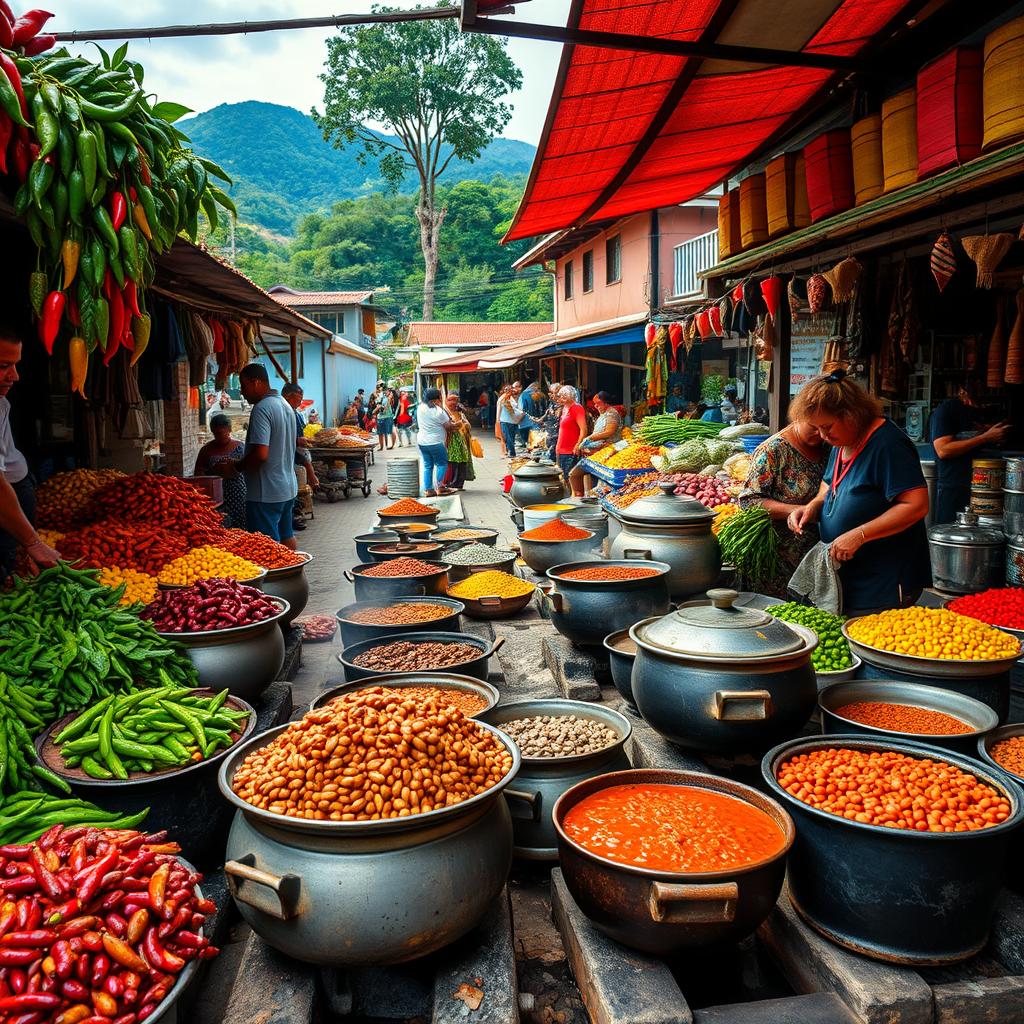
778	399
293	341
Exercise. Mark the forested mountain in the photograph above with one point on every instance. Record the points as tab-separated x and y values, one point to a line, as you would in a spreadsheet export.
283	168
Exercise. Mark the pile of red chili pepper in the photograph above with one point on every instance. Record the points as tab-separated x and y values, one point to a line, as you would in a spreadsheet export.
1000	606
209	604
259	549
159	501
96	926
123	545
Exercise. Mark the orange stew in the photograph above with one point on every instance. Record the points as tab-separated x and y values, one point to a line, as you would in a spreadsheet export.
673	828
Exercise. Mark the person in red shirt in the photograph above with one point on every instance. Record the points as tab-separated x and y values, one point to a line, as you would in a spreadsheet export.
572	428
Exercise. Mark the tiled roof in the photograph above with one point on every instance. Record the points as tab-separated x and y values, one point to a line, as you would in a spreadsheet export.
436	334
290	297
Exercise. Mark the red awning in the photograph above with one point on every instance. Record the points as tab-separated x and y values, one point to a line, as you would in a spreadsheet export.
629	131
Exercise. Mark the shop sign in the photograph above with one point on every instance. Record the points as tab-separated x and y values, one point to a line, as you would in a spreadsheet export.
806	352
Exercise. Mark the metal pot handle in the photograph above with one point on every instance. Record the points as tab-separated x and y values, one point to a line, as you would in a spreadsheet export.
552	596
553	489
490	601
531	800
692	904
287	888
348	575
642	553
498	644
743	705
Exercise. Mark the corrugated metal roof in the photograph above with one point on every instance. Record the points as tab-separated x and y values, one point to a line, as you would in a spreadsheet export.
291	297
479	334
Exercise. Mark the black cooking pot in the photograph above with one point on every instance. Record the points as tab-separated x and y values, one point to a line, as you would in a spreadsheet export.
621	656
388	551
891	894
476	667
356	632
663	912
364	541
375	588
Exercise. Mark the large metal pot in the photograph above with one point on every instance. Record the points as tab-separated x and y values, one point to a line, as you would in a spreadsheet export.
722	678
364	541
663	912
366	894
244	659
476	667
542	780
895	894
537	482
184	800
459	572
388	551
353	632
291	584
980	717
589	517
987	681
621	656
402	680
585	610
966	557
1015	560
541	555
381	588
672	529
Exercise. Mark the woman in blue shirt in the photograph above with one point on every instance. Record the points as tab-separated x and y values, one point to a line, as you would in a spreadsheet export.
873	499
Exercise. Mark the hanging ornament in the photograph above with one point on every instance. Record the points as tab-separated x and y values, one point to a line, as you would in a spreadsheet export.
715	317
675	338
943	260
817	293
796	291
771	290
843	278
753	300
704	324
689	333
737	294
725	315
987	252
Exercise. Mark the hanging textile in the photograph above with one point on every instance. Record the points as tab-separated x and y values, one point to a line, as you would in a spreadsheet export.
817	293
675	337
995	368
771	291
656	364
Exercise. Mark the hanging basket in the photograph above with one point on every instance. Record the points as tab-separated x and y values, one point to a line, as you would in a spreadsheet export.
729	242
1003	85
753	211
899	140
949	111
866	152
829	172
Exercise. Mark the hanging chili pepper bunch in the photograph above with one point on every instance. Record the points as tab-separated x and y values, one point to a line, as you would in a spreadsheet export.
24	35
106	181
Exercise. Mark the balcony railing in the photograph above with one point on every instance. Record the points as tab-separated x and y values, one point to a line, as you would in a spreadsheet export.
689	259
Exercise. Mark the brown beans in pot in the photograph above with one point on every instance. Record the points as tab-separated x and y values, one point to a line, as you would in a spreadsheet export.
403	656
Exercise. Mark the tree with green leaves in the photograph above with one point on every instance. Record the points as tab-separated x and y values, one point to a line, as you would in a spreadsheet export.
439	91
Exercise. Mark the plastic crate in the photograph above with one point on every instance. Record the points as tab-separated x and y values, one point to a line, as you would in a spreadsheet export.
615	477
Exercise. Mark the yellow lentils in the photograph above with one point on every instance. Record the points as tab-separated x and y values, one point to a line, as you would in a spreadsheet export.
205	563
139	587
933	633
490	584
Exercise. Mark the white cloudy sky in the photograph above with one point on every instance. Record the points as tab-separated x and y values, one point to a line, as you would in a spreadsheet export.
281	67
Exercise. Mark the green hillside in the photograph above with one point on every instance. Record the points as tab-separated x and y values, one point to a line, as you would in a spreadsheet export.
283	169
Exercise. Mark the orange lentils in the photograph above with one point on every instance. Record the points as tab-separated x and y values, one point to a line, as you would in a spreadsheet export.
893	790
903	718
555	529
1009	754
407	507
609	573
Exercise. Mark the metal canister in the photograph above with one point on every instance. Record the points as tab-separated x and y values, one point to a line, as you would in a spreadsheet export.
987	474
1013	477
986	503
1013	501
1015	561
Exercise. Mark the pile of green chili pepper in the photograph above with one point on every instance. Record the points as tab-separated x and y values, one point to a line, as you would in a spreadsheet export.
67	643
749	542
154	729
24	711
26	815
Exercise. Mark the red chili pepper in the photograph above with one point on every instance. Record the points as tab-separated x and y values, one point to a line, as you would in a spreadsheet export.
8	915
126	1018
100	967
10	69
28	26
18	957
40	44
90	885
117	924
131	297
49	322
6	32
120	952
20	852
137	925
75	990
191	940
48	881
111	900
118	209
113	986
6	133
63	958
18	980
157	956
30	1001
92	941
41	938
49	837
65	912
20	883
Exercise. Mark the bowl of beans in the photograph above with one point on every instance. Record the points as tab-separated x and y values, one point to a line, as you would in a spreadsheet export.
470	557
900	845
461	534
1003	748
473	697
367	620
493	594
908	711
398	577
390	550
407	653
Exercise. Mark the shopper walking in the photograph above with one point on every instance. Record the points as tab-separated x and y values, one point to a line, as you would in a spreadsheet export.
292	394
434	427
510	415
269	461
404	419
572	429
385	413
458	445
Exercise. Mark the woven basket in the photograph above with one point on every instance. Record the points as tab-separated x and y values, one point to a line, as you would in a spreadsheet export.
949	111
899	140
829	174
866	151
786	194
729	243
753	211
1003	85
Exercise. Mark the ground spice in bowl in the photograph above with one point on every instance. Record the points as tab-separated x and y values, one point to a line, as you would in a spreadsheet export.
906	718
405	656
1009	754
402	567
478	554
407	507
555	529
490	584
462	533
609	573
399	614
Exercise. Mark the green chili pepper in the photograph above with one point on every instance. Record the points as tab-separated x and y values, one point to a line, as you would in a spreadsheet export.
85	145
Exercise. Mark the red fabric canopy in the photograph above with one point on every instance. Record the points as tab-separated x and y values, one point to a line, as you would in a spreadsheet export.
630	131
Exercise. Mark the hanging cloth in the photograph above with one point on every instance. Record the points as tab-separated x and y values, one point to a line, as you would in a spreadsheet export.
771	291
796	293
675	339
987	252
997	349
943	260
1015	346
753	300
715	319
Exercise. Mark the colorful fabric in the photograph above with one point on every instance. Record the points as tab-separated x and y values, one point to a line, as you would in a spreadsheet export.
943	260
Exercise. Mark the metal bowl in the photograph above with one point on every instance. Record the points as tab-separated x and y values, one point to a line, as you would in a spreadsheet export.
401	680
990	739
843	675
243	659
256	581
290	583
664	912
541	555
489	535
364	541
932	698
377	588
476	667
941	668
388	521
390	550
495	607
183	800
461	572
353	632
898	895
407	530
621	650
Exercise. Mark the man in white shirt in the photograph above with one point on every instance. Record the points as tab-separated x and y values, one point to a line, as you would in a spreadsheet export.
434	425
17	495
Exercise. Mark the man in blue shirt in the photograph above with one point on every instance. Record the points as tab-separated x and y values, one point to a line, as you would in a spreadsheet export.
676	401
269	460
292	394
510	415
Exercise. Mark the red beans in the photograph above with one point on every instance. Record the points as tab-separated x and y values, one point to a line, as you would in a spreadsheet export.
401	567
209	604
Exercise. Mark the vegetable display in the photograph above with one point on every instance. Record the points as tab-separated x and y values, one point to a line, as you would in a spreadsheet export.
156	500
205	563
933	633
259	549
905	718
706	489
749	542
666	429
999	606
156	729
106	182
97	925
633	456
65	634
492	583
559	735
25	815
693	455
133	587
833	652
209	604
61	499
125	546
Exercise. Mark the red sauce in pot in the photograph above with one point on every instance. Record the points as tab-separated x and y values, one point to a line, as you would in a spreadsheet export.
673	828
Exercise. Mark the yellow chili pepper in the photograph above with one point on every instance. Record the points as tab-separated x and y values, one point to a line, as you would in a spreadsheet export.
69	253
139	216
141	328
78	358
